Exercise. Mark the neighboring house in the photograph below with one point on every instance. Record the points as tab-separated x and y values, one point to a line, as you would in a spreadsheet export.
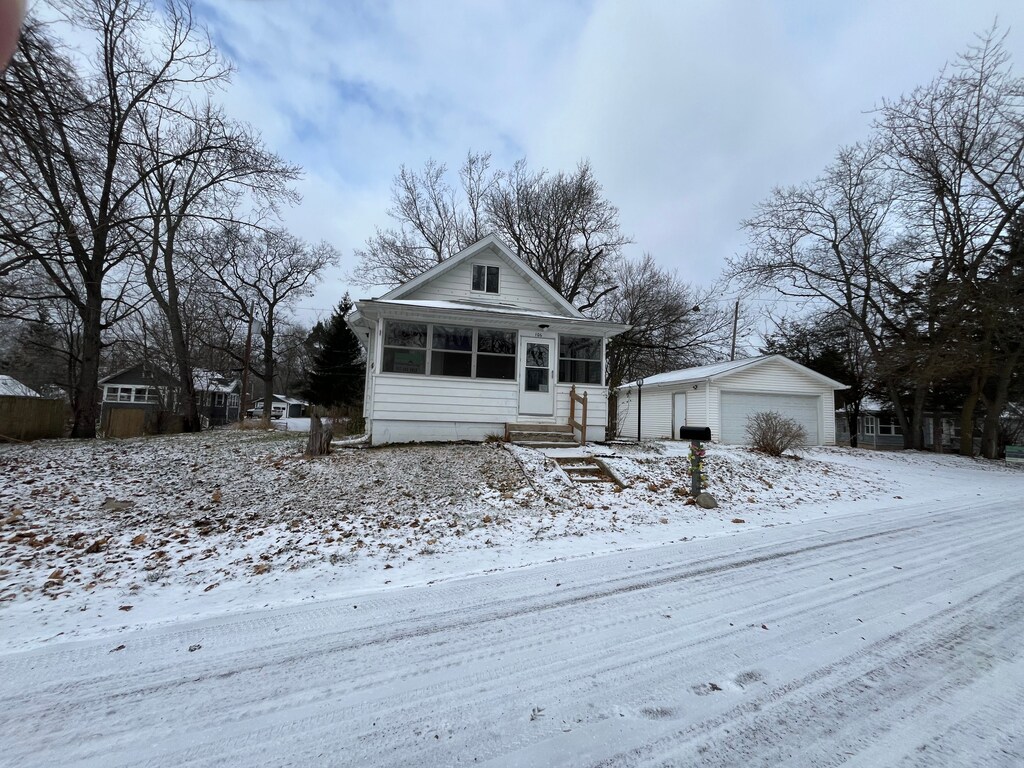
219	397
11	387
473	344
723	396
142	386
281	407
878	428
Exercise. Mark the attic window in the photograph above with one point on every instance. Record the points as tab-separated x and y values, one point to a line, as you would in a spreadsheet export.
485	278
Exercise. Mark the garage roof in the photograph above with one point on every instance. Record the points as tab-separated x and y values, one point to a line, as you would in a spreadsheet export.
719	370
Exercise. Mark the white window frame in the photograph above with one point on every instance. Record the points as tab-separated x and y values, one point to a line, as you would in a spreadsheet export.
487	282
474	351
600	359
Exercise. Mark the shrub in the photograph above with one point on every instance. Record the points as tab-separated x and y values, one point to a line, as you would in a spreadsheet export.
349	426
772	433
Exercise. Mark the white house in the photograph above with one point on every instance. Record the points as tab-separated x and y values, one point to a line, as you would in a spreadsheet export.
473	344
724	395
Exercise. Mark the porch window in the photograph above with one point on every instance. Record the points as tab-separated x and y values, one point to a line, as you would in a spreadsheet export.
889	426
869	425
451	351
496	354
218	399
485	278
448	350
145	395
405	348
579	359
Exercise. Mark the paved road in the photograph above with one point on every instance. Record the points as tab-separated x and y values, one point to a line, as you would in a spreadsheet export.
892	637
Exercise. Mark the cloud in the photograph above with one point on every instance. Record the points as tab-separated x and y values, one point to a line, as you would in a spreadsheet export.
689	112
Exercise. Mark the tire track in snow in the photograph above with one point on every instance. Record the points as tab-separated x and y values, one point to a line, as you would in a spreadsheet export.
610	665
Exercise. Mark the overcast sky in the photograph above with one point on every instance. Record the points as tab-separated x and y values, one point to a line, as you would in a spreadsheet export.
689	111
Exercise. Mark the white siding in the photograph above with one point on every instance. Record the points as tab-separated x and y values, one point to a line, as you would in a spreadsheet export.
388	431
696	407
655	413
434	398
771	376
597	409
457	284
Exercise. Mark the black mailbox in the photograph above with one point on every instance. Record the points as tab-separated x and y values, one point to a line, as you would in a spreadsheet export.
695	433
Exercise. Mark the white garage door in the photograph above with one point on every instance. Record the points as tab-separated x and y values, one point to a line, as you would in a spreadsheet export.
738	406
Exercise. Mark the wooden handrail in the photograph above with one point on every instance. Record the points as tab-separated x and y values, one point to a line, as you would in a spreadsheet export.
580	425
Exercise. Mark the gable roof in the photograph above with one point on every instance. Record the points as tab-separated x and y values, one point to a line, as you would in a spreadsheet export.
11	387
494	243
146	374
276	398
720	370
210	381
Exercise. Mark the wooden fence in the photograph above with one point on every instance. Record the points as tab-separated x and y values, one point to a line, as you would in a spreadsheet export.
30	418
135	422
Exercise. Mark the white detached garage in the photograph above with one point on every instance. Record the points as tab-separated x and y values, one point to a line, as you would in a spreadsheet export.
724	395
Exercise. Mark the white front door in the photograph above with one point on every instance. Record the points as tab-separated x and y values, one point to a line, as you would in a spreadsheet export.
537	377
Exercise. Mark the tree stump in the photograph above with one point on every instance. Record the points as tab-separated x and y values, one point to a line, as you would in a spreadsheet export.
320	436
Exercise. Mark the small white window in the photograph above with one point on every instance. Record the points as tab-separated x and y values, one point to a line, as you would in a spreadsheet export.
485	278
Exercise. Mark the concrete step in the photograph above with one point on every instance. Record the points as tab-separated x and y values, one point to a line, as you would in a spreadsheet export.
586	470
526	427
544	443
549	437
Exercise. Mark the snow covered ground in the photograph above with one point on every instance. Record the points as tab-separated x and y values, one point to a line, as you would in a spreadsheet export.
218	599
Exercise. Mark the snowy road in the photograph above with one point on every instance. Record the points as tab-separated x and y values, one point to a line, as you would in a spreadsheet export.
890	637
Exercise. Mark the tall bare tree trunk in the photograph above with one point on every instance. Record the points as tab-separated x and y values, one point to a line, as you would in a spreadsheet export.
86	403
990	432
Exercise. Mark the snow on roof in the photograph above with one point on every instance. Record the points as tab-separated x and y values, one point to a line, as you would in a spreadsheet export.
285	399
211	381
493	309
11	387
717	370
698	373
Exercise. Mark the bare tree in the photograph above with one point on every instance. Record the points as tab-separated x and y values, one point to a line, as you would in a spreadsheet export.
261	274
560	224
563	227
202	166
71	174
838	241
956	147
672	323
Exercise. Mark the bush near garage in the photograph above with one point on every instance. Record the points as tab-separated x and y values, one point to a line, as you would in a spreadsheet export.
772	433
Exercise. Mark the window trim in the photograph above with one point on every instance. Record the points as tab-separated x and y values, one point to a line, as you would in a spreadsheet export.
131	394
486	268
474	352
600	359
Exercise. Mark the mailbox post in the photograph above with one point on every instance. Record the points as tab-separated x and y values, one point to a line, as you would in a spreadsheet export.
697	437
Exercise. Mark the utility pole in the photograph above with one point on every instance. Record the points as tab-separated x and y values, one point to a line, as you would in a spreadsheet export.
245	368
735	323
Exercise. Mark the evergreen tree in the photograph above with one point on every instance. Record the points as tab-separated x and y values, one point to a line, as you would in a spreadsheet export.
339	365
